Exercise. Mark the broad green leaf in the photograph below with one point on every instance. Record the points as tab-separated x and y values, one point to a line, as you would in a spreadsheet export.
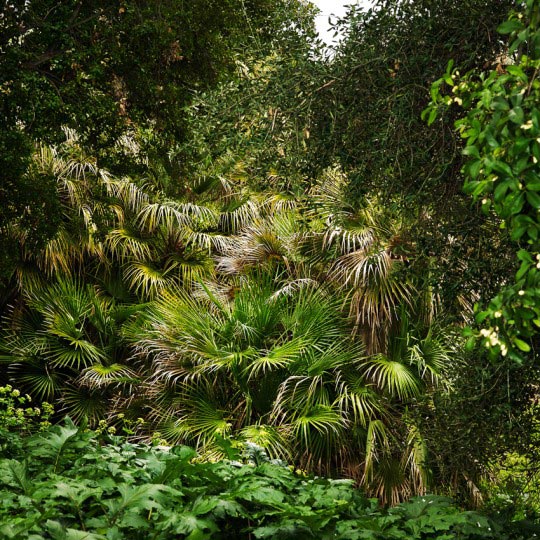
507	27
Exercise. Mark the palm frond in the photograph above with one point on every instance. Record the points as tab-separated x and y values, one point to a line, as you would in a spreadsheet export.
85	404
100	376
317	430
278	357
173	429
390	483
291	288
72	352
392	376
190	267
232	220
205	420
298	393
362	268
60	254
348	241
130	195
416	459
431	357
357	399
173	215
207	241
127	243
276	203
376	446
146	279
268	437
37	378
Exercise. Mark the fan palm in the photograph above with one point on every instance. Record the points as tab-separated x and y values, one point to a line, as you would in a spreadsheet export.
65	344
271	318
276	360
115	222
238	349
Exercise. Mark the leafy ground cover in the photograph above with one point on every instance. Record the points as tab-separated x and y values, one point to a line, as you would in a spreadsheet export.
64	483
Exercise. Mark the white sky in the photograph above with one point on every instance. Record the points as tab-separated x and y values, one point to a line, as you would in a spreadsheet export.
332	7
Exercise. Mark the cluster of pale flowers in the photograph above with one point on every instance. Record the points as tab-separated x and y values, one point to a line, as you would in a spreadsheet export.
492	338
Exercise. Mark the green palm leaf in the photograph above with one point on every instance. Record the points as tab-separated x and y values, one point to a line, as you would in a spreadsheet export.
38	379
72	352
392	376
172	215
278	357
377	444
205	420
357	399
85	404
146	278
127	243
233	219
99	375
271	438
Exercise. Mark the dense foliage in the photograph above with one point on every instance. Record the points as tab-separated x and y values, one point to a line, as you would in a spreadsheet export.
218	232
107	69
63	484
501	129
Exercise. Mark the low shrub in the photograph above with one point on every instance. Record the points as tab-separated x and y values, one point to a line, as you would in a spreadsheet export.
65	483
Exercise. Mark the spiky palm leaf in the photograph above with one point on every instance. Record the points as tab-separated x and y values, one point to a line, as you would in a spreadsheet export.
416	459
84	404
172	215
279	357
101	376
237	216
269	437
358	399
317	431
146	278
127	243
36	378
64	343
393	377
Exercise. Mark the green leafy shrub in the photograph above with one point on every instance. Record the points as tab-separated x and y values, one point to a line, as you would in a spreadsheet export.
62	484
501	126
18	416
